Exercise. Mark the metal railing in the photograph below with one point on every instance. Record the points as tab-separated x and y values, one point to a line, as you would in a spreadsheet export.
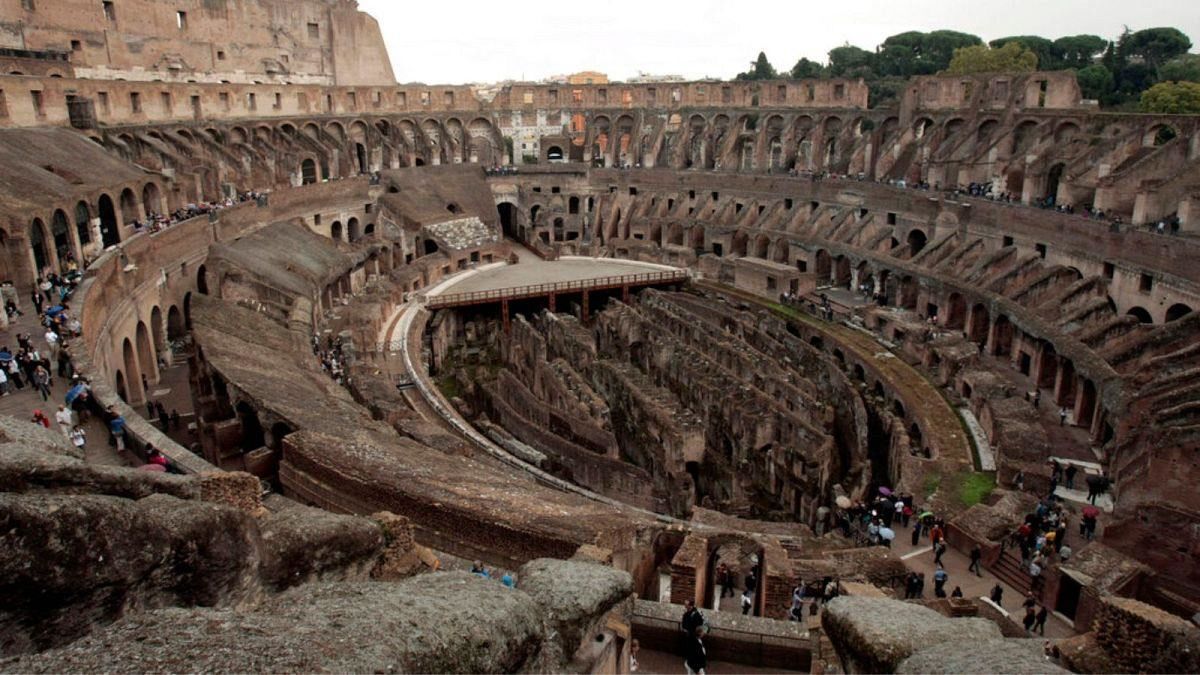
536	290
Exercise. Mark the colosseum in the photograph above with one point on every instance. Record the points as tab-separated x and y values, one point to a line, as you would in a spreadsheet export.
380	394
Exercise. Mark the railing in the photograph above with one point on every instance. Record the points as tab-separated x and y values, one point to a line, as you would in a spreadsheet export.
536	290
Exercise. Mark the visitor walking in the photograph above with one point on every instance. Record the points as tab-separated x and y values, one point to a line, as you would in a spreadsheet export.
976	557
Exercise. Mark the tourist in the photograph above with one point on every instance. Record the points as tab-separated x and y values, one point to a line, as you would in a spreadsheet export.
920	586
52	341
997	594
976	557
78	437
724	579
692	618
634	648
41	381
939	549
1062	416
153	456
1019	481
65	420
507	581
796	612
1029	620
695	660
747	601
940	576
116	427
916	533
40	418
957	592
1039	622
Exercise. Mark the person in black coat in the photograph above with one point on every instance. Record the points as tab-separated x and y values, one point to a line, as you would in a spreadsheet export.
695	660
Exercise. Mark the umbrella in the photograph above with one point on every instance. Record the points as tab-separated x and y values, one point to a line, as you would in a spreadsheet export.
925	514
1090	511
885	491
887	533
55	311
842	502
5	356
74	392
154	468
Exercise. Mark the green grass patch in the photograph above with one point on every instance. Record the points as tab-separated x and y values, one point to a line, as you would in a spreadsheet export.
975	487
932	482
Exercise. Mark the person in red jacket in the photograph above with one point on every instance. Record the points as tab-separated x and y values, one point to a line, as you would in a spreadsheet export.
40	418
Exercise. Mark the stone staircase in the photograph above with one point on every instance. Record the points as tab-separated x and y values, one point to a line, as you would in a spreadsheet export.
1009	569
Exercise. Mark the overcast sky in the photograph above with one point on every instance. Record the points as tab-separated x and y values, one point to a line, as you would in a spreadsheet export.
488	41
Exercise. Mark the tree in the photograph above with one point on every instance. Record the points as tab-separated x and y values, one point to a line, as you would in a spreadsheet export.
1156	46
1079	51
1095	82
805	69
1176	98
1049	54
1184	68
845	58
760	69
1011	58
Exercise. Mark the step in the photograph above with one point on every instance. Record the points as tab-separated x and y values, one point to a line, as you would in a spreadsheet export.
1104	502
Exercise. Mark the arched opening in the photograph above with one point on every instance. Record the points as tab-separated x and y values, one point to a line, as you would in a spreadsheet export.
916	241
145	351
1003	334
38	241
1140	314
430	246
909	287
533	214
110	230
129	209
1052	180
824	265
175	327
335	230
956	311
783	251
980	320
252	431
454	208
573	205
352	229
1177	311
1159	134
508	220
202	280
131	369
308	171
740	240
83	223
119	383
152	199
360	152
842	272
187	310
554	153
762	246
157	330
60	230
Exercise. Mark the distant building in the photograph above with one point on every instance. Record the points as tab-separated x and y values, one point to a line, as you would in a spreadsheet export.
587	77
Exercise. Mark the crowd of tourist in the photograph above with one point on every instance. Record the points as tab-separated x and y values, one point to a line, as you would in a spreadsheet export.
155	222
331	358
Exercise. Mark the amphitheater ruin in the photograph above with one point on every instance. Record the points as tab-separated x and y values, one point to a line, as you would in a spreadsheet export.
680	354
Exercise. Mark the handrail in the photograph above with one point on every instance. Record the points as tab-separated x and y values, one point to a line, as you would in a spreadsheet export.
532	290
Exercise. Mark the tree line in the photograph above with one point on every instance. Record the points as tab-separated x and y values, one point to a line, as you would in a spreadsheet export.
1148	69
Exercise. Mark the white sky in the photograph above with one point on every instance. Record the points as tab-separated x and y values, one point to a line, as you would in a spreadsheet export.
489	40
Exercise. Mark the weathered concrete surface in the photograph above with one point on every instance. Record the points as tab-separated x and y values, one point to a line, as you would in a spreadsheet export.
1018	656
304	544
574	596
874	635
446	622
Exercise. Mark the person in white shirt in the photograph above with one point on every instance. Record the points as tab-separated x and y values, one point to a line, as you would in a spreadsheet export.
78	437
52	340
65	420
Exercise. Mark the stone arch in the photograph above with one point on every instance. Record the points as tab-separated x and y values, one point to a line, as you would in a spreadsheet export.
352	230
1065	132
60	231
985	130
83	222
129	207
41	248
739	243
1002	333
841	272
916	240
132	371
152	198
147	357
1140	314
980	322
782	251
554	153
909	287
119	385
675	234
1053	177
508	220
1158	134
202	280
823	266
110	228
762	246
335	230
158	331
956	311
1177	311
175	326
308	171
1022	135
